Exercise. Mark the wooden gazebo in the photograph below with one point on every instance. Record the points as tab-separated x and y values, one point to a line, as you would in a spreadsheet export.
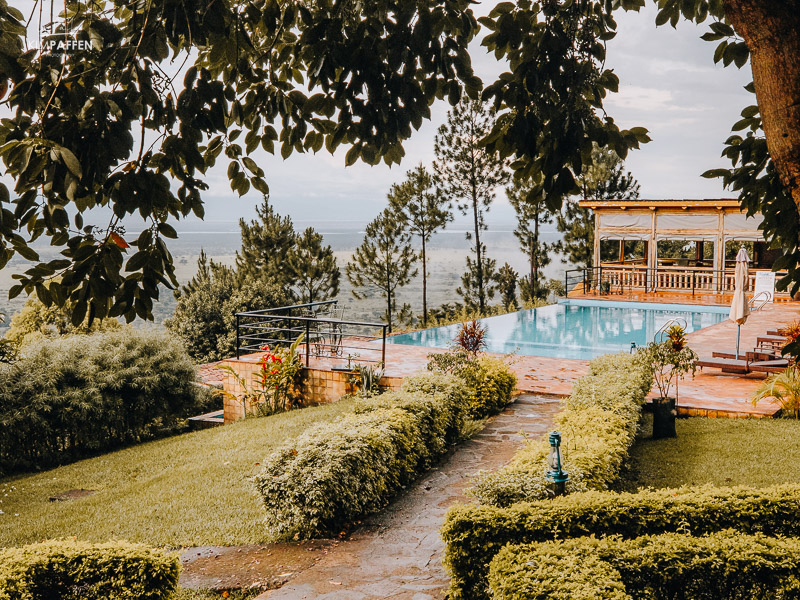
704	222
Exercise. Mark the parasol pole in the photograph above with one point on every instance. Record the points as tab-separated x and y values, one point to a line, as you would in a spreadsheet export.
738	333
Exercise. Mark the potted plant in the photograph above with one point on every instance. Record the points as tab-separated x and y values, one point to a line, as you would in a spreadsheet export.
672	359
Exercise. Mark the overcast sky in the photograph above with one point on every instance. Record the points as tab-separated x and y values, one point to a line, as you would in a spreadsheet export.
669	84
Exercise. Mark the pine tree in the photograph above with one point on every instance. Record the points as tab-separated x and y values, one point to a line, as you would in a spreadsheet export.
314	272
478	284
384	261
603	179
467	175
507	285
267	243
424	213
532	212
205	315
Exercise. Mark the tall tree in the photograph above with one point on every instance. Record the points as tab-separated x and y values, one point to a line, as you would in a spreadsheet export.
478	284
314	272
384	261
603	178
467	174
425	212
532	212
204	316
506	278
267	243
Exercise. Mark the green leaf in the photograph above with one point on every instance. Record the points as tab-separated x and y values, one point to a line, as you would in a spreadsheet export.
352	156
714	173
662	17
167	230
70	161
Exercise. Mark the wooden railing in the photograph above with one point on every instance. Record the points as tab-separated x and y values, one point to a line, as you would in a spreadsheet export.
619	279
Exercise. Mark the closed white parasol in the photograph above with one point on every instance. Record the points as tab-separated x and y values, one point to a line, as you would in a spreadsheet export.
740	310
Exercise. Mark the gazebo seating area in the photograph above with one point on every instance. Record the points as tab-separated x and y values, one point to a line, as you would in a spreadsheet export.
640	237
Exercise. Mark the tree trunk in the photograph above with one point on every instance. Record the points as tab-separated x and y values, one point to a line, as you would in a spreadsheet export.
424	286
389	297
481	304
535	280
771	30
532	261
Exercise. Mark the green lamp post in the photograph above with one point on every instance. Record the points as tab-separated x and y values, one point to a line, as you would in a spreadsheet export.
558	476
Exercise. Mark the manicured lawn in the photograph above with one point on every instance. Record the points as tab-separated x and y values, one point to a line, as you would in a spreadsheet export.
721	452
188	490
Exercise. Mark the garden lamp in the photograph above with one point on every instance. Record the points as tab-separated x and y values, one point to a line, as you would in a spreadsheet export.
556	474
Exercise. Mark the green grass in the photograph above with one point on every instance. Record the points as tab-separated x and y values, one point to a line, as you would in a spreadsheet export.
720	452
187	490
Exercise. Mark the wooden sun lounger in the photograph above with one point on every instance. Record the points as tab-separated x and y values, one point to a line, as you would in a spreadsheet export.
753	355
726	365
769	366
771	341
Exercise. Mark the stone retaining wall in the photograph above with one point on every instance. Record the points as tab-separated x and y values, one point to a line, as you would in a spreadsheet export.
317	386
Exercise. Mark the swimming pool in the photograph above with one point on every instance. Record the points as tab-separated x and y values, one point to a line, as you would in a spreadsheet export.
579	329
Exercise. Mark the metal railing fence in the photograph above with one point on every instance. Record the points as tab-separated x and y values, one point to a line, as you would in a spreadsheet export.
326	334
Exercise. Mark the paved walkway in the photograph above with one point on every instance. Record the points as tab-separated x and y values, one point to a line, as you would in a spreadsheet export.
397	554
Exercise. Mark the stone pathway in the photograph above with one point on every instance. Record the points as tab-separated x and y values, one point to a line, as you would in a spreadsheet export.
397	554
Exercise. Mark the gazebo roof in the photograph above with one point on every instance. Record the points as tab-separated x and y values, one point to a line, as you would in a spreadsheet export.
684	203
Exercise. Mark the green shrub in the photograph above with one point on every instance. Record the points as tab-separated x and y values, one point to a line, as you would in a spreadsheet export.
598	426
445	389
37	320
490	382
720	566
74	396
71	570
338	472
205	313
474	534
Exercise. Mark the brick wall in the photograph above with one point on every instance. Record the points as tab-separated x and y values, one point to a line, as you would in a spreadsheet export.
317	386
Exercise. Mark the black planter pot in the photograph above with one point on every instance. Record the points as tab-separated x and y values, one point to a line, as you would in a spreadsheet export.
664	418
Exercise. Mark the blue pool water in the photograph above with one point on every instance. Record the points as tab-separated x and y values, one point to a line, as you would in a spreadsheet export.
579	329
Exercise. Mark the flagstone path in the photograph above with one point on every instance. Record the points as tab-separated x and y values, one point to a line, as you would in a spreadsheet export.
395	554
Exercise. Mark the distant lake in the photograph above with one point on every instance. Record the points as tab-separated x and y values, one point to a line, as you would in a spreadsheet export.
221	240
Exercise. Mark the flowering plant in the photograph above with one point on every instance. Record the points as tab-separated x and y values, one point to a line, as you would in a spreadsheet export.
273	388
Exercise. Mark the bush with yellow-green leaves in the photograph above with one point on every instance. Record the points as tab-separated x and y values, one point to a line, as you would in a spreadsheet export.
719	566
77	570
335	473
598	426
473	535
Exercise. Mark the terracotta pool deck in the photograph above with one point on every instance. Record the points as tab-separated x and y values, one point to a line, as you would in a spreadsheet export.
710	393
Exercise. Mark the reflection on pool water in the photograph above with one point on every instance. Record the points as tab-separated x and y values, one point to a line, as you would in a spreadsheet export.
580	329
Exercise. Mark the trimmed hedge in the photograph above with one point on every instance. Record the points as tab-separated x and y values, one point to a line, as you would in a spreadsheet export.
77	570
490	382
473	535
720	566
78	395
490	386
598	426
338	472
